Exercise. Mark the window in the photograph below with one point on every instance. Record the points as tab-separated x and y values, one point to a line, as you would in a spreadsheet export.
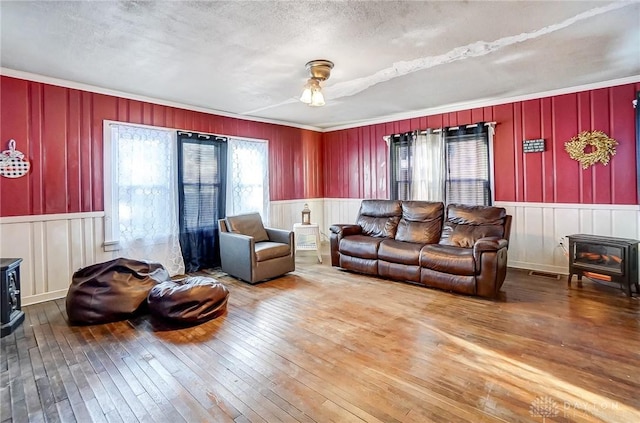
248	187
165	191
467	166
401	165
140	182
455	167
202	181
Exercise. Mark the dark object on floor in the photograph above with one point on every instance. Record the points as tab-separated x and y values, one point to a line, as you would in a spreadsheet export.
194	299
110	291
10	305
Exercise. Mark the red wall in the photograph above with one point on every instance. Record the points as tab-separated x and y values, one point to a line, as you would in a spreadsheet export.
60	130
355	163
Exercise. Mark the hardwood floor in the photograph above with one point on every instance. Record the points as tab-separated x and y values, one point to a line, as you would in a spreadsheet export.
325	345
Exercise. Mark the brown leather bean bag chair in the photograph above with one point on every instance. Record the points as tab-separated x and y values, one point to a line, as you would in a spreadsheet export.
110	291
192	300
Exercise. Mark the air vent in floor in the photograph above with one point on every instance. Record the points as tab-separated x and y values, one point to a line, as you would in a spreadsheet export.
544	274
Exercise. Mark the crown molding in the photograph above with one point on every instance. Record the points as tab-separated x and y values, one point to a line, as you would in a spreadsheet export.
347	125
100	90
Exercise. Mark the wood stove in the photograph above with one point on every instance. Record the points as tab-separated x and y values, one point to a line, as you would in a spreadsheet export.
10	305
604	258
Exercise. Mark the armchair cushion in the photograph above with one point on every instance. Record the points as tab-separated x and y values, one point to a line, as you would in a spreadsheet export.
248	224
267	250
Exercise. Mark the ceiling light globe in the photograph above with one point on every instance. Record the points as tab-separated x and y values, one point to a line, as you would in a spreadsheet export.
306	95
317	99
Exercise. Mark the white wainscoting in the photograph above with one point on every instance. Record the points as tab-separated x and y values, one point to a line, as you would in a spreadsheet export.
341	210
324	211
538	228
283	214
52	248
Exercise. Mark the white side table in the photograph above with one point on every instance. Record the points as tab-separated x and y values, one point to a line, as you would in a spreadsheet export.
307	237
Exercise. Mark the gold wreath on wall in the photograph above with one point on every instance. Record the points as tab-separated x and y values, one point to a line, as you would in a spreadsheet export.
601	148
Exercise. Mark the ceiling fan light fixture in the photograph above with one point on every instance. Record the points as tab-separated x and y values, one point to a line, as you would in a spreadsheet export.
319	70
317	99
308	91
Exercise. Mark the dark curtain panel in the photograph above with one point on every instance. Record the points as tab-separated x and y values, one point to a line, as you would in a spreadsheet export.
202	171
401	158
467	157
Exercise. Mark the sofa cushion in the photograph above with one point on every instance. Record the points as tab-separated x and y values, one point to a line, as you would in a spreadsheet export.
380	208
421	222
266	250
379	218
448	259
466	224
422	211
381	227
248	224
360	246
399	252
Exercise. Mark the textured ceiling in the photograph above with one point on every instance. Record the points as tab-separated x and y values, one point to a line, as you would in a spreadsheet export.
390	57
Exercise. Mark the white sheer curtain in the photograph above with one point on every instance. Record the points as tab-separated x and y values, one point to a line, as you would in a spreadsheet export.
248	177
428	170
145	192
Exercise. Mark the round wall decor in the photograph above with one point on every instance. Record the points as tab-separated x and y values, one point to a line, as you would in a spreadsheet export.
13	163
601	148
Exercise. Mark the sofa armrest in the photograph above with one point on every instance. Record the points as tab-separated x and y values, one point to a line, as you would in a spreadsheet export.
491	243
345	229
337	233
280	235
490	254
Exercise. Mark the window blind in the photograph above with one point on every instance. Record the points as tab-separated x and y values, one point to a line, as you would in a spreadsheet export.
467	166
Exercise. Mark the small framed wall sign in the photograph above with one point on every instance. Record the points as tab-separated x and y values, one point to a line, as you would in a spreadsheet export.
533	146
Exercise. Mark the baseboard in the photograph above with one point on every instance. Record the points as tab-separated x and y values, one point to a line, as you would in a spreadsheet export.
40	298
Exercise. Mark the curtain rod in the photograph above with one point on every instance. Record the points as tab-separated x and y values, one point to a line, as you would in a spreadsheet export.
453	128
204	136
387	138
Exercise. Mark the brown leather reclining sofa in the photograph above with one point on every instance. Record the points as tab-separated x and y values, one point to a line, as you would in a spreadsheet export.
463	250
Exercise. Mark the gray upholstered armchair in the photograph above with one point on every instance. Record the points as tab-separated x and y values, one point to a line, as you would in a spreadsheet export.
251	252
